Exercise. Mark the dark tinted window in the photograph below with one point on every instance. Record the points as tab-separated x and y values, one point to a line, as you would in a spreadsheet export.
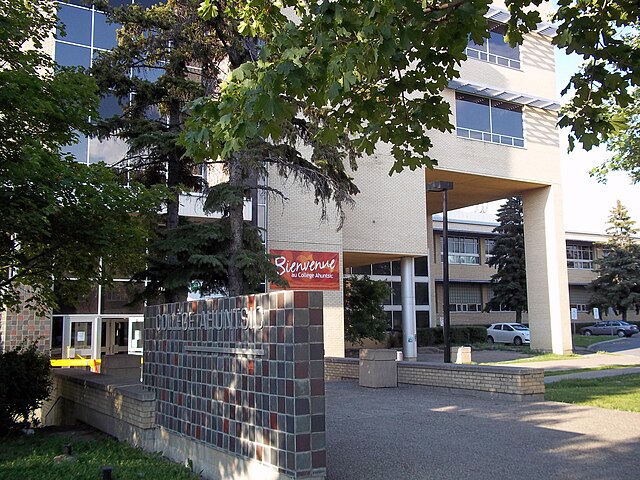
472	112
104	34
422	319
77	24
422	293
507	119
420	266
381	268
72	55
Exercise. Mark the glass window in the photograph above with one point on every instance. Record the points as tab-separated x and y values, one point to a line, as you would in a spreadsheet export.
488	120
104	33
78	150
81	333
109	107
580	257
465	297
72	55
77	24
363	270
82	304
396	293
422	293
420	267
495	49
462	250
489	243
395	267
507	328
422	319
381	268
119	298
110	151
472	112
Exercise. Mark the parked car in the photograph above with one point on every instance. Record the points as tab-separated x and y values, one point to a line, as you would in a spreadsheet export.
515	333
610	327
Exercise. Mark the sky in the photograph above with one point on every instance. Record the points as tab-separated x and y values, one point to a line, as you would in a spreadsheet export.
588	203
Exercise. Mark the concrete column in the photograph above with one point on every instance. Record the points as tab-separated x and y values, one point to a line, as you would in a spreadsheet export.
409	343
547	281
431	252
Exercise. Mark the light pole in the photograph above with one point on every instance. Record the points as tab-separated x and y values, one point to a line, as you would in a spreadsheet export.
444	187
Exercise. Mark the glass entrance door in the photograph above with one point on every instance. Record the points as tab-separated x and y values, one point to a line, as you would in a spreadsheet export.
115	336
80	336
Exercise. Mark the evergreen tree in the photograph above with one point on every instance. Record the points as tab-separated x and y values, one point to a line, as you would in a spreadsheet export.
618	282
177	56
364	315
509	282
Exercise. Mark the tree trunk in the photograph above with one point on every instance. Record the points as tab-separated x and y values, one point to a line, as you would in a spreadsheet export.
518	316
236	223
173	205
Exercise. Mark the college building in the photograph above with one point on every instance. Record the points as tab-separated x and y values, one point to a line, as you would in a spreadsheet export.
505	143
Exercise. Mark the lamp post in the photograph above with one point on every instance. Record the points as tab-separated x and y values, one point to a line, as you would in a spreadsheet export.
444	187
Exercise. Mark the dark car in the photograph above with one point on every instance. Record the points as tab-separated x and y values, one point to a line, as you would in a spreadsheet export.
610	327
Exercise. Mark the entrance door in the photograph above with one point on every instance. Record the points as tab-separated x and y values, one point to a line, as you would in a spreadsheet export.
79	336
136	325
115	336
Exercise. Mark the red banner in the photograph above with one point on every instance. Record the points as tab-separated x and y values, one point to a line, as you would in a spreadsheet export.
307	270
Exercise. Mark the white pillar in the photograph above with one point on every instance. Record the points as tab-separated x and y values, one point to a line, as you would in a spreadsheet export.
409	343
547	280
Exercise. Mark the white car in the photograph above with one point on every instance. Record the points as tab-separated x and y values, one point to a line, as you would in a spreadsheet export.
515	333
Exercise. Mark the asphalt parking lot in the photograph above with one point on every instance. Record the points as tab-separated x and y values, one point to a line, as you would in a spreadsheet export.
412	433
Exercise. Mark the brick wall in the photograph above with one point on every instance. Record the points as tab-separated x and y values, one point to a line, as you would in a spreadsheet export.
509	383
17	326
114	405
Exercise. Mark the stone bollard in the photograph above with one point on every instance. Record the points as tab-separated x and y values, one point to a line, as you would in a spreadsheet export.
378	368
461	354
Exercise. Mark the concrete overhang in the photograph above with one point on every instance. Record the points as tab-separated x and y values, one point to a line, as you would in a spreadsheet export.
357	259
469	189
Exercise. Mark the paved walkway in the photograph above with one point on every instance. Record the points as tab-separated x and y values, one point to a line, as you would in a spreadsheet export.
413	433
587	360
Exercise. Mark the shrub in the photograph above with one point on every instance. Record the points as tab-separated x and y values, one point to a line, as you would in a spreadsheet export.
459	335
24	385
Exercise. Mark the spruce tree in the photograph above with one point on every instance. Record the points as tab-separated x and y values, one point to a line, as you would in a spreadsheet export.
618	282
167	57
510	281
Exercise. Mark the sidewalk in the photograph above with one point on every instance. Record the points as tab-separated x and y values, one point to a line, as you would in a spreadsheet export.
413	433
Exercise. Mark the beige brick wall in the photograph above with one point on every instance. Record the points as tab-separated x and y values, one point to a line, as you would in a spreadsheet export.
390	212
296	224
505	382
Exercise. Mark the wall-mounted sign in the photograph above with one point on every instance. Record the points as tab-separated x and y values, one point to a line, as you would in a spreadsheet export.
307	270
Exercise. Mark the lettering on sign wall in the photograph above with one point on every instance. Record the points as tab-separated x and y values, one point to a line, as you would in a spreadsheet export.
307	270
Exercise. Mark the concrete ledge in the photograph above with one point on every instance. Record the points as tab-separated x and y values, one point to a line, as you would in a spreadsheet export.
117	406
507	383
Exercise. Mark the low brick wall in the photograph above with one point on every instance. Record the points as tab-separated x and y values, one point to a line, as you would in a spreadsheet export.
117	406
509	383
336	368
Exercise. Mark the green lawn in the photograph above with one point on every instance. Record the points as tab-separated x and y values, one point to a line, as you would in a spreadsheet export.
584	341
552	373
621	392
32	458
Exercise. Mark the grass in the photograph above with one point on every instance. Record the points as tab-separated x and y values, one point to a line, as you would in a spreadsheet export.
621	392
585	341
551	373
540	357
31	457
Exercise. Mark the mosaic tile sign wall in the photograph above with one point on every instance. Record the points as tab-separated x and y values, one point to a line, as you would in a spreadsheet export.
243	375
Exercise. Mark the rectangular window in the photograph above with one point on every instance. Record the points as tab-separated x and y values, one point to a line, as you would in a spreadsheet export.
580	257
493	121
465	297
488	245
462	250
495	49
